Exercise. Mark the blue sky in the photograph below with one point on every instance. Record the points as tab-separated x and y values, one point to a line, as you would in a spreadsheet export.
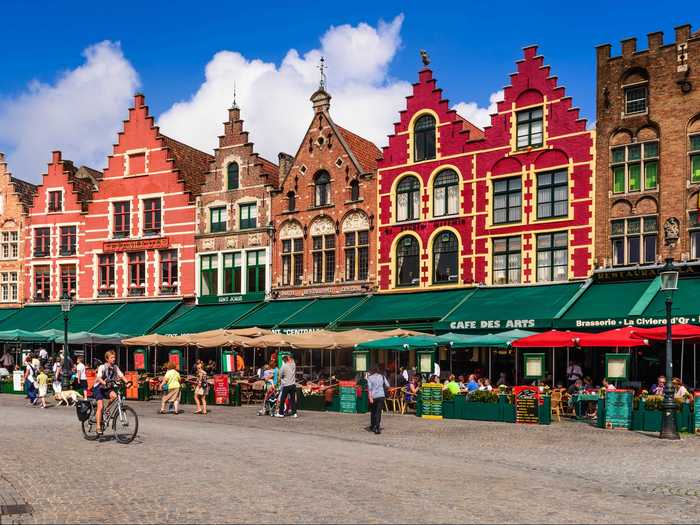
162	48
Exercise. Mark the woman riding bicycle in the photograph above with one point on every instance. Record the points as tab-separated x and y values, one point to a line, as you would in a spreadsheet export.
107	375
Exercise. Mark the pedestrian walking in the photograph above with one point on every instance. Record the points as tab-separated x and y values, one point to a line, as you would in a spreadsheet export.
57	377
81	375
288	381
376	383
43	382
171	388
201	389
30	380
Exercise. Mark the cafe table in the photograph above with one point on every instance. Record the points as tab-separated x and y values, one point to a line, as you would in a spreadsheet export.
583	397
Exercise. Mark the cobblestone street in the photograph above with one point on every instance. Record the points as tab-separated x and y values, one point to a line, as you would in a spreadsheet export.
323	467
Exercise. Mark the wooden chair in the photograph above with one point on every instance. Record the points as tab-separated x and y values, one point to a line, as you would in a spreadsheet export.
556	404
408	403
567	410
393	400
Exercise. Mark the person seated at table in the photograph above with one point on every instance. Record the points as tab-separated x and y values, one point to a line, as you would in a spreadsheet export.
680	391
462	384
452	385
575	388
587	383
412	389
657	389
608	386
487	385
434	379
472	385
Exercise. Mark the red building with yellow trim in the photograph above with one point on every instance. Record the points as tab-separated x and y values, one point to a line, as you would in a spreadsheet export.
510	204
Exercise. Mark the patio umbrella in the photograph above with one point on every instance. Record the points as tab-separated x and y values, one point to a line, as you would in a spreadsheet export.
160	340
396	343
550	339
618	337
678	332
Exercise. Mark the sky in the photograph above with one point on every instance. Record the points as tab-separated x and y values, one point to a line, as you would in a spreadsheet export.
70	69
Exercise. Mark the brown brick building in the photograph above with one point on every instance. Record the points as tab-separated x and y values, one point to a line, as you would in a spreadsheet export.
324	210
648	151
15	199
233	236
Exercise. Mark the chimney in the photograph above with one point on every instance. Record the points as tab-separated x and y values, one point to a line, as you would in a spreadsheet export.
284	162
56	157
603	52
682	33
139	100
629	46
655	40
321	101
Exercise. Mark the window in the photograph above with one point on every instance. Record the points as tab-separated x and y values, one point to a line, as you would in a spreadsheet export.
255	268
356	255
630	162
694	158
232	176
209	278
323	256
69	238
9	245
168	271
217	219
322	188
55	201
634	240
42	283
408	199
292	261
248	216
232	273
42	242
635	99
424	138
121	219
445	258
552	253
106	274
529	128
552	194
291	201
446	194
694	233
151	217
354	190
506	260
407	263
8	287
68	279
506	200
137	273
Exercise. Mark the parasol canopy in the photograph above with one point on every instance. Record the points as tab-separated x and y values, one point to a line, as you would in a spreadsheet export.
678	332
625	337
416	342
550	339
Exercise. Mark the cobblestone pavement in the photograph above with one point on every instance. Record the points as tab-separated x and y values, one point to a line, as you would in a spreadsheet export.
232	466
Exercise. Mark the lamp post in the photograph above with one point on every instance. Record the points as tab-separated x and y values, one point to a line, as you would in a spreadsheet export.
66	304
669	283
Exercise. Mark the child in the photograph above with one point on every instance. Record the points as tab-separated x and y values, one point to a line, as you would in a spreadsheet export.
43	381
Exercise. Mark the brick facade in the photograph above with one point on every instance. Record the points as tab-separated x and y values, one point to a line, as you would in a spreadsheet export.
15	199
238	182
324	241
648	109
458	224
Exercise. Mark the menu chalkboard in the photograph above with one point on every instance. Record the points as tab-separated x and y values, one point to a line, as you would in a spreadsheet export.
348	397
526	404
431	400
618	409
697	412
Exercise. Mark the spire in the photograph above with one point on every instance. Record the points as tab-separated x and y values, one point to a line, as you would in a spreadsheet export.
321	100
234	105
322	68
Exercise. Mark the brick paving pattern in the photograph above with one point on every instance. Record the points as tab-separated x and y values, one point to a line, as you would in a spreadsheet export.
233	466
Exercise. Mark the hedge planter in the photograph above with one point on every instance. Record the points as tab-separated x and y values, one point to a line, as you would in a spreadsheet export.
650	420
313	402
461	408
481	411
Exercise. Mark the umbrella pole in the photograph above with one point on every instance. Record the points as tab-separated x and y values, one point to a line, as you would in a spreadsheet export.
553	369
396	366
490	376
515	353
682	356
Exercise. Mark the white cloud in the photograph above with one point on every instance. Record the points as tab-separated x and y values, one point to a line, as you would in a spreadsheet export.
79	114
476	115
274	99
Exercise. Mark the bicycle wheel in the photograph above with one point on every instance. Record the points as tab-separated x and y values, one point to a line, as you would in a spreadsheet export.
126	425
90	429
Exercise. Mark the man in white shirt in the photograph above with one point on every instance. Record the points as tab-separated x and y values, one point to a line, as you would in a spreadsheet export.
81	376
436	369
573	372
43	356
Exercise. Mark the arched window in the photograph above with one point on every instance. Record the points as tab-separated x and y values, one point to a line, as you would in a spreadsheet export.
407	262
354	190
446	194
291	201
408	199
424	138
232	176
445	248
322	184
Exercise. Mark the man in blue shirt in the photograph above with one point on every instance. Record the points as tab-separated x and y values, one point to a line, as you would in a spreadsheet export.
375	390
472	385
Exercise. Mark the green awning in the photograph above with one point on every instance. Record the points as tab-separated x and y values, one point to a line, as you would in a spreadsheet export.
604	305
400	344
83	317
135	318
412	311
7	312
204	317
499	340
31	318
503	307
686	303
273	313
23	336
321	312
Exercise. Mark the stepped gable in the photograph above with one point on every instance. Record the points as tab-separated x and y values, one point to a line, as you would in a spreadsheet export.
191	163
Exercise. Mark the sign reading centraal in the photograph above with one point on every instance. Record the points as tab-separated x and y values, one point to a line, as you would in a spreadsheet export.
493	323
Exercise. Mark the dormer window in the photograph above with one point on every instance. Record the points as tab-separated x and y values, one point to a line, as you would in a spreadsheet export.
424	138
636	99
55	201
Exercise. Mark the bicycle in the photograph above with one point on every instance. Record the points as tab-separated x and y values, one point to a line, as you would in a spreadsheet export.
124	420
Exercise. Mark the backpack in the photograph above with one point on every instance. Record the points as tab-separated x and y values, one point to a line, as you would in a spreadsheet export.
83	410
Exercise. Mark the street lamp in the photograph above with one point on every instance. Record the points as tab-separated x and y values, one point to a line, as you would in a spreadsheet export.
669	284
66	304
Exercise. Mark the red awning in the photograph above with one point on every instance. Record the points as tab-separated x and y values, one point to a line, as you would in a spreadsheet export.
678	332
624	337
551	339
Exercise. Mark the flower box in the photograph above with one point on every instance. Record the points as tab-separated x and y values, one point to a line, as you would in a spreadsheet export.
311	402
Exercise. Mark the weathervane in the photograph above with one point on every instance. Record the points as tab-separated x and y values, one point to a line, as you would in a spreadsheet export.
235	106
425	57
322	69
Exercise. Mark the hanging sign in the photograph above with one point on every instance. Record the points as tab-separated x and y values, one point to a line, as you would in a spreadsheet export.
175	356
135	245
618	409
221	389
17	380
526	404
140	359
348	397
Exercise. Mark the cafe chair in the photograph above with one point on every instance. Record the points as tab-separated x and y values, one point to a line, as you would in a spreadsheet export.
254	392
556	404
393	400
407	403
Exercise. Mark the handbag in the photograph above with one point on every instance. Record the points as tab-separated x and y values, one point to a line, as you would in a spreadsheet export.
165	387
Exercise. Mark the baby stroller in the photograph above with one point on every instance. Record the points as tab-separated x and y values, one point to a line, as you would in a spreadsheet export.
271	401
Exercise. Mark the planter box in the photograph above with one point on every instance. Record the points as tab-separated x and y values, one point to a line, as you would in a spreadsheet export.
448	409
481	411
317	403
650	420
